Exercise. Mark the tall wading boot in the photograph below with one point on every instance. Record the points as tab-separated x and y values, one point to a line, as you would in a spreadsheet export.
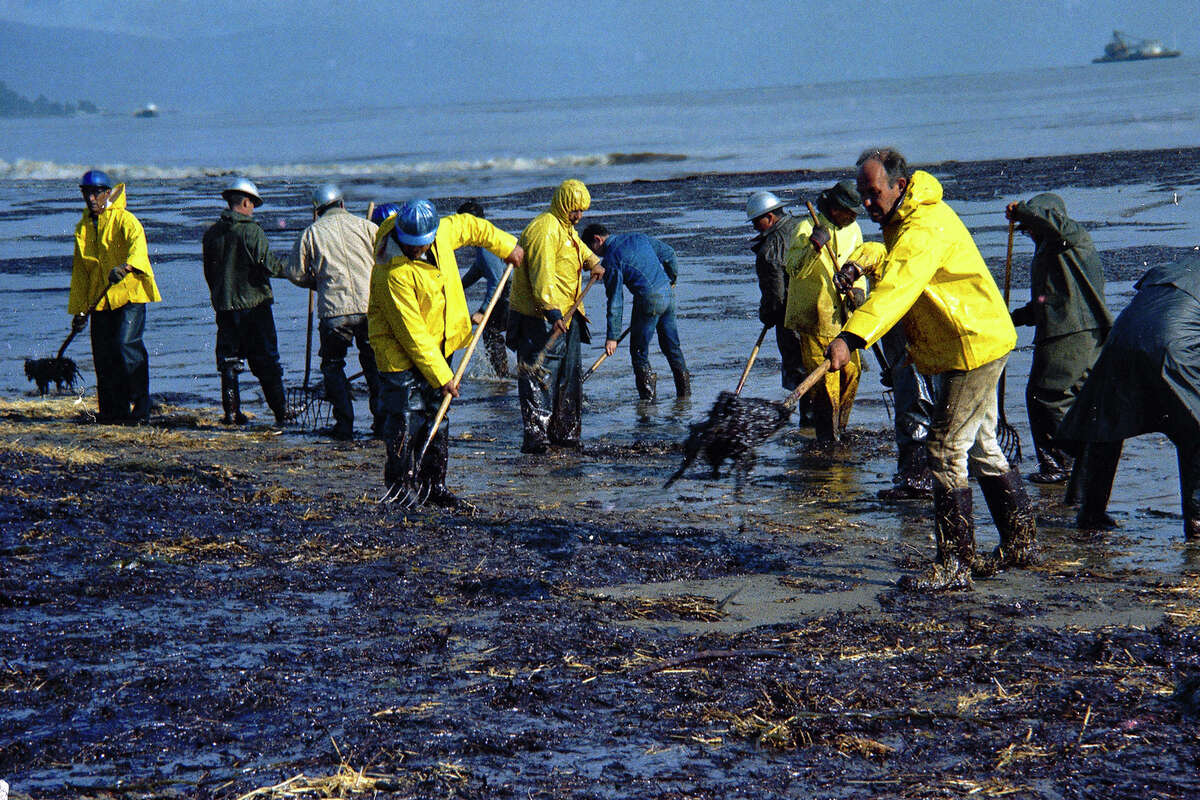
1054	466
433	473
337	392
1096	468
647	383
824	416
1012	512
683	383
955	530
497	353
231	398
272	386
913	478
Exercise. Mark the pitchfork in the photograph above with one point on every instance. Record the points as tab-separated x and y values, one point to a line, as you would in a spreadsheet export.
1006	434
409	492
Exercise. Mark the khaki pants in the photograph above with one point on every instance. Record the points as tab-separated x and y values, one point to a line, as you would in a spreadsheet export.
963	435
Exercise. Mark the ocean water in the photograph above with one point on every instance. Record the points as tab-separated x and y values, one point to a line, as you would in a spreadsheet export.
511	154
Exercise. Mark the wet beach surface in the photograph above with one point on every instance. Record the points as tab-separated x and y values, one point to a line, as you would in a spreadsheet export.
195	612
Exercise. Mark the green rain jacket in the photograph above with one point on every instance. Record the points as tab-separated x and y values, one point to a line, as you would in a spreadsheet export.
238	263
1066	279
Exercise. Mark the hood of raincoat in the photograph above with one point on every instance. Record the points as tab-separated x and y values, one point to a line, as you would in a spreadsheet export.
1050	221
571	195
116	238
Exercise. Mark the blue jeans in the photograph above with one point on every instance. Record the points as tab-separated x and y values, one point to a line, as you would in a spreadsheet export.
122	365
655	312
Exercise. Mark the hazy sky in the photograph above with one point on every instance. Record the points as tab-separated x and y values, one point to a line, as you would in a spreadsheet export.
222	54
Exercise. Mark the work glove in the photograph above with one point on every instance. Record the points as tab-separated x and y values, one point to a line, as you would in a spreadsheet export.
78	323
117	273
845	278
819	238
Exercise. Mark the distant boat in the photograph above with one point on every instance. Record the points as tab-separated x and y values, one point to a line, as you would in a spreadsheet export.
1124	47
148	110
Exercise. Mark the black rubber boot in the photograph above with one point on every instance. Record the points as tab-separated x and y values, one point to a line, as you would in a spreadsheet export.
683	383
1191	530
231	398
912	479
647	383
1012	512
1054	466
276	398
433	473
1096	471
955	529
825	424
337	392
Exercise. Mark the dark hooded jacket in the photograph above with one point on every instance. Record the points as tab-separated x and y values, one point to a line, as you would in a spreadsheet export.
1148	375
238	263
1066	272
770	250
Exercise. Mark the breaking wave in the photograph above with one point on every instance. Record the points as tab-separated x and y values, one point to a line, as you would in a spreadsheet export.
31	170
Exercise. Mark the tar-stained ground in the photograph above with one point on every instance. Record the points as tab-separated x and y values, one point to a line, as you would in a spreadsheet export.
188	611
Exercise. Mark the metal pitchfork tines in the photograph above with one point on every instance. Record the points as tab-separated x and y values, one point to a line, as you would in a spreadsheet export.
409	492
536	370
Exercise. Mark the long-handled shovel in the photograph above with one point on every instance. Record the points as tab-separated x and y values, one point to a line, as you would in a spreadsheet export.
409	492
1006	434
603	356
737	425
61	371
750	361
536	369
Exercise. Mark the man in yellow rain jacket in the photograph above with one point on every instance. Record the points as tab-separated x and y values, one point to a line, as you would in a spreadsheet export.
815	310
111	274
544	289
958	326
416	318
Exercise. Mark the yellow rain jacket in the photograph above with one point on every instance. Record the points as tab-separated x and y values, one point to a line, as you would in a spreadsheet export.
114	239
814	306
936	281
417	313
548	279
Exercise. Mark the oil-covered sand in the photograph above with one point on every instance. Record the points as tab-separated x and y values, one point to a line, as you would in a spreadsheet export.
191	611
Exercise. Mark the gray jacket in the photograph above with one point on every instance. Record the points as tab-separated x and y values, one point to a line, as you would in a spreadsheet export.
335	256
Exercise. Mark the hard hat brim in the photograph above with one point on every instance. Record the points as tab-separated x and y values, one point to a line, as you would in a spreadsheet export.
415	241
254	199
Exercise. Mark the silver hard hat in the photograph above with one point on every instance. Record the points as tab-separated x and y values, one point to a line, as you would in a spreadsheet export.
244	186
762	203
326	194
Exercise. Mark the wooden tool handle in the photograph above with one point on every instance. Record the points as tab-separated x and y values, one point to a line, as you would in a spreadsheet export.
750	362
604	355
809	382
462	366
541	359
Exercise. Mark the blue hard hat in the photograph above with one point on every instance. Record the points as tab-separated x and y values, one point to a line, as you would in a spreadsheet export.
416	224
94	177
383	211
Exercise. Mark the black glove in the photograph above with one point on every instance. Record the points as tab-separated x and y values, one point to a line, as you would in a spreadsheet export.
845	278
819	238
116	274
78	323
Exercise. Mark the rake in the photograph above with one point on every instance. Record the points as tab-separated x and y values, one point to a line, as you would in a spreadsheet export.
409	492
1006	434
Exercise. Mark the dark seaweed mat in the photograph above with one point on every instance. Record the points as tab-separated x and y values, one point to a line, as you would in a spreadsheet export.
135	676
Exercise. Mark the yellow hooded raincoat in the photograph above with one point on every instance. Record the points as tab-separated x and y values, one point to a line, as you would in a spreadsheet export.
936	281
417	313
116	238
554	256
